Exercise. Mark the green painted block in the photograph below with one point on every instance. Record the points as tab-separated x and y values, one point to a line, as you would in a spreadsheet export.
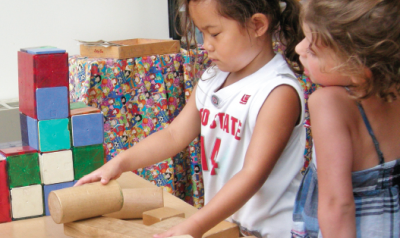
23	170
77	105
54	135
87	159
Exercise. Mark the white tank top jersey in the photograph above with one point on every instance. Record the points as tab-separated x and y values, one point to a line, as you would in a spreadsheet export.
228	117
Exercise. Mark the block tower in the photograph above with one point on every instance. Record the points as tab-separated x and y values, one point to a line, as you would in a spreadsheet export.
59	145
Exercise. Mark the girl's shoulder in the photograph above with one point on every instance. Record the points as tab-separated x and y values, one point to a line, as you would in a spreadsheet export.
333	101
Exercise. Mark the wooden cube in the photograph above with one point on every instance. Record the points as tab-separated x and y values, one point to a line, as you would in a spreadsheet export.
160	214
27	201
22	166
39	71
5	209
87	159
54	135
87	129
48	188
52	103
56	167
29	131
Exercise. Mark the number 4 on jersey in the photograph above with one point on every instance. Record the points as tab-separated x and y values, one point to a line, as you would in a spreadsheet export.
214	155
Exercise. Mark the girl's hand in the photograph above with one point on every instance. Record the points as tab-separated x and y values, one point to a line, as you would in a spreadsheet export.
187	227
104	174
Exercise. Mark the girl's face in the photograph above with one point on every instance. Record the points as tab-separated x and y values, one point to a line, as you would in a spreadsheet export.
229	45
319	62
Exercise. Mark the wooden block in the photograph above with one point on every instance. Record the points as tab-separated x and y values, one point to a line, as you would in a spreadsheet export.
131	48
27	201
23	169
29	131
84	110
87	129
77	105
5	208
56	167
52	187
168	223
87	159
39	71
137	201
52	103
86	201
159	214
54	135
109	227
223	229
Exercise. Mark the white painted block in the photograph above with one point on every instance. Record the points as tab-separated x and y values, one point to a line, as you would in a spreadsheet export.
27	201
56	167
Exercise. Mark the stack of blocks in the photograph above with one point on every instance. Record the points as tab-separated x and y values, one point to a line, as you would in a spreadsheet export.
60	145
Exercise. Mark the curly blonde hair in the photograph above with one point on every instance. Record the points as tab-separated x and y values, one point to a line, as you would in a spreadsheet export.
363	34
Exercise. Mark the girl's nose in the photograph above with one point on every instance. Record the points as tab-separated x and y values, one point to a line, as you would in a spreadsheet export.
301	48
207	44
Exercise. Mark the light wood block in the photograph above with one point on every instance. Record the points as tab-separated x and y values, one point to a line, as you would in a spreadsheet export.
109	227
159	214
86	201
137	201
27	201
56	167
221	230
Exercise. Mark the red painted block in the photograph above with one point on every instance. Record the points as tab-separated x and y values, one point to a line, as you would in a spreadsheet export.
5	208
17	151
39	71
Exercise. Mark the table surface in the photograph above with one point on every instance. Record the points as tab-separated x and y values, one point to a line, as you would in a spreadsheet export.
44	227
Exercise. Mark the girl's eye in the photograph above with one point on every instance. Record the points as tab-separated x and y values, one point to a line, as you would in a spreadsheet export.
214	35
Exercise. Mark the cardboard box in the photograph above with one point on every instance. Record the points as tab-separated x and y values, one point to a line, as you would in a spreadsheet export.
131	48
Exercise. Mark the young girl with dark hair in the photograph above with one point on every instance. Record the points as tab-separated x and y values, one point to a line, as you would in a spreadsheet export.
249	110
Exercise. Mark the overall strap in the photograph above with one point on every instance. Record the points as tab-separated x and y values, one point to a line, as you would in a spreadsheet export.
369	128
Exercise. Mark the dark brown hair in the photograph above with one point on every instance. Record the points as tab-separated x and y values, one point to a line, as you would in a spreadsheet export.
284	25
363	34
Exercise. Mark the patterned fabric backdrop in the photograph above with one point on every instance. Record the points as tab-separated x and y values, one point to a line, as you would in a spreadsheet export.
140	96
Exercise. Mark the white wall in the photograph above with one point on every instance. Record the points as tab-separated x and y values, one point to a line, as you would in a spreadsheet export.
27	23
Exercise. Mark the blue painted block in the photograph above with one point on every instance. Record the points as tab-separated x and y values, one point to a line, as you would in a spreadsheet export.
54	135
29	131
42	50
52	103
87	129
48	188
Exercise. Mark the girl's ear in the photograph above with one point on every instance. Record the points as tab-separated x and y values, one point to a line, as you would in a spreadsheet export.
260	23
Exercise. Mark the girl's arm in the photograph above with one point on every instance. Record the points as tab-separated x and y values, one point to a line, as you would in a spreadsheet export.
333	145
154	148
274	126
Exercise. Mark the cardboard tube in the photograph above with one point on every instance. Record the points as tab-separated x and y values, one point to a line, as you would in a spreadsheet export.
137	201
86	201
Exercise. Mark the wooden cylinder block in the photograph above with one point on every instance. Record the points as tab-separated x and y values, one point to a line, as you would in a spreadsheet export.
137	201
86	201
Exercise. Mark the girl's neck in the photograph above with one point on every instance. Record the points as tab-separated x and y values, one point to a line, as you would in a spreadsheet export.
265	55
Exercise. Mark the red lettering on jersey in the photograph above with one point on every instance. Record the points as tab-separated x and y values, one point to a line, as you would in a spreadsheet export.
226	124
203	155
221	119
234	121
238	131
214	122
214	156
204	116
244	99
